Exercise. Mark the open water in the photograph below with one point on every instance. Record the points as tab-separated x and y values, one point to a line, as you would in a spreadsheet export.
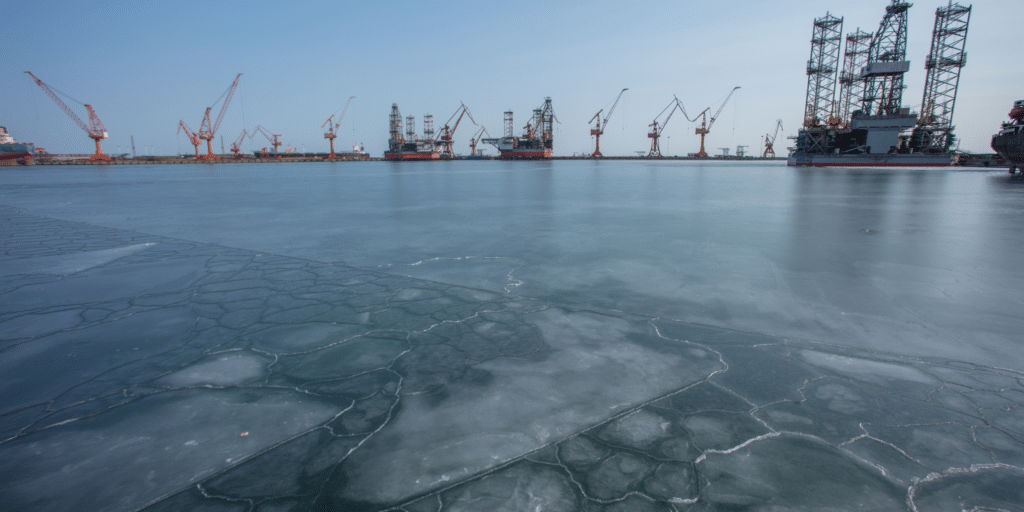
510	336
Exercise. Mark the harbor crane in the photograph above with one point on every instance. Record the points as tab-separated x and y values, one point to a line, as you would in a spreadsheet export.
445	137
272	138
769	140
476	140
656	129
236	146
208	129
95	129
599	127
705	127
331	134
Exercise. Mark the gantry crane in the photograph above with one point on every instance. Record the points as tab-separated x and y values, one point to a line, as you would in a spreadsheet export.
270	137
208	129
769	140
331	134
236	146
705	127
95	129
656	129
476	140
599	127
446	134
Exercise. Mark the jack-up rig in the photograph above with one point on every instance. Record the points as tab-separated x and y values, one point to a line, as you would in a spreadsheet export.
331	134
537	140
867	125
95	129
428	147
598	130
207	130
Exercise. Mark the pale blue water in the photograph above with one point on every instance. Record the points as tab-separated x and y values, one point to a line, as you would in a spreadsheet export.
566	335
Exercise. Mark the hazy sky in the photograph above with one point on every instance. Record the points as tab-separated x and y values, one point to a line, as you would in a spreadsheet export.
146	65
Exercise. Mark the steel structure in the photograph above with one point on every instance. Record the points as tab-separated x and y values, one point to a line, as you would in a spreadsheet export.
851	85
236	146
448	131
769	140
705	127
208	128
887	62
410	128
821	70
476	140
270	137
428	126
95	128
598	128
656	128
395	138
331	133
946	58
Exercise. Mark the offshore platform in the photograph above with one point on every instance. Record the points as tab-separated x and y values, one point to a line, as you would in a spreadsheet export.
867	125
537	140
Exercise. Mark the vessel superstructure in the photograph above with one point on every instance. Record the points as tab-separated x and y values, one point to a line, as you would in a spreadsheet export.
537	141
11	149
1009	142
878	131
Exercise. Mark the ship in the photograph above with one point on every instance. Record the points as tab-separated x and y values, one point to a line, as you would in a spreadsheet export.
409	146
537	141
11	149
864	124
1009	142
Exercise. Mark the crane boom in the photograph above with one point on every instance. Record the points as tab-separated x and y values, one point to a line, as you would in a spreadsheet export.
448	132
598	129
612	110
705	127
95	129
224	107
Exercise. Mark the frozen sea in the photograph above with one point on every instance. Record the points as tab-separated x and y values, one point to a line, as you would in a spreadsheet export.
510	336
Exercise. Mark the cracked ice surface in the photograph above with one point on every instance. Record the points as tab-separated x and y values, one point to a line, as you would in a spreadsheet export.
510	336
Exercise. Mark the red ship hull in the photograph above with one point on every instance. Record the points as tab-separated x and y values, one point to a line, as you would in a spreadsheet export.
526	154
412	156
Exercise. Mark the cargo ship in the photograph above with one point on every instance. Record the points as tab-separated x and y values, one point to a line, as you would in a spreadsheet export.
409	146
863	124
537	141
11	149
1009	142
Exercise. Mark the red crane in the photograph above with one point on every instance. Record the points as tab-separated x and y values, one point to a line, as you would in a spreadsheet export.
331	133
656	129
769	140
208	129
236	146
95	129
476	140
270	137
448	132
705	129
598	128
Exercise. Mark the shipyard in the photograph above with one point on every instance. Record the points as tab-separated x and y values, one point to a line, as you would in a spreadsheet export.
543	257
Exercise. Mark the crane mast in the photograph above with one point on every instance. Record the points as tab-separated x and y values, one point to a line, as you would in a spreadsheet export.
448	132
705	127
331	134
95	129
598	129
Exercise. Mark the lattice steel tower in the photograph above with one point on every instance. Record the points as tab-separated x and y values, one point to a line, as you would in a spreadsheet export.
851	85
887	62
428	127
395	139
821	70
944	62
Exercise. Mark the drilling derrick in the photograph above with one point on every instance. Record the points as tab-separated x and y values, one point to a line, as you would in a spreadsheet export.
821	71
851	85
887	62
428	126
934	132
410	128
395	139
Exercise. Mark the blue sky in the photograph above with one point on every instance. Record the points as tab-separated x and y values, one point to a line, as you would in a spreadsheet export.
146	65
